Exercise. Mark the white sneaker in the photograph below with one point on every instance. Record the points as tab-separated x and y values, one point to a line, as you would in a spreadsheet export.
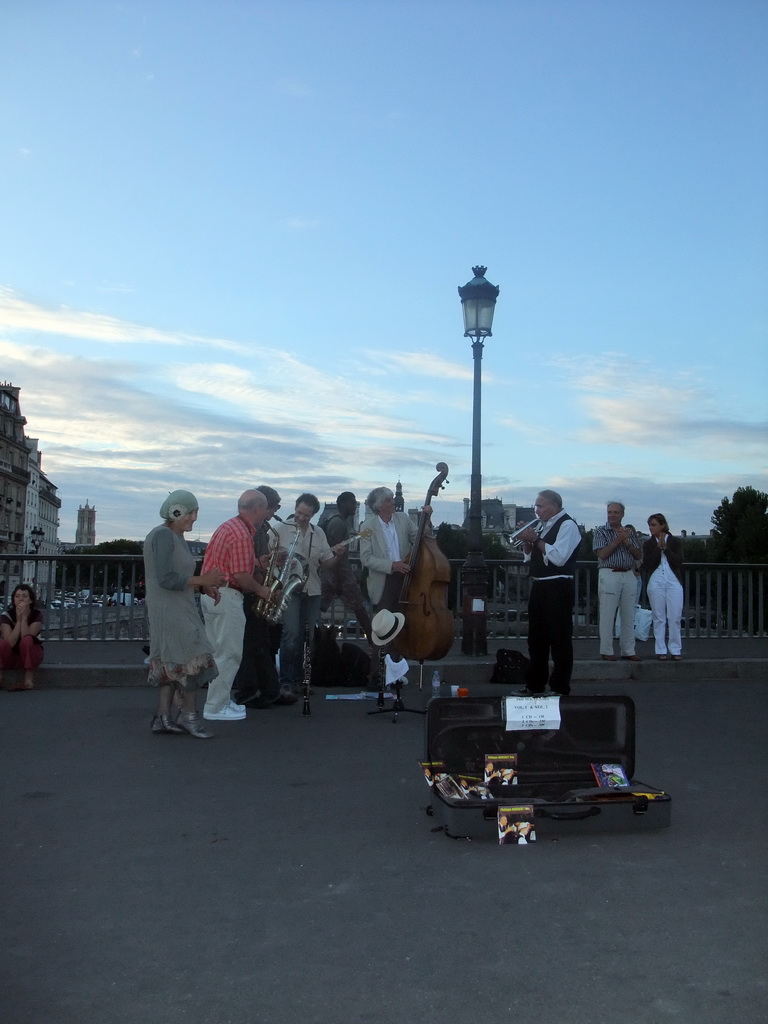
227	714
237	707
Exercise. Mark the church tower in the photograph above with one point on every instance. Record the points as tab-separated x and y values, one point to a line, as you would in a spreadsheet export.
86	526
399	500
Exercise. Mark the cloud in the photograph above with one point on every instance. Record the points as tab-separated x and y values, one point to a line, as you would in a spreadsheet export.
123	428
16	314
687	505
122	432
296	223
626	403
425	364
331	409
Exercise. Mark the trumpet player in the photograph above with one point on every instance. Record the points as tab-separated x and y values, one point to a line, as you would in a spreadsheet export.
231	549
551	547
310	551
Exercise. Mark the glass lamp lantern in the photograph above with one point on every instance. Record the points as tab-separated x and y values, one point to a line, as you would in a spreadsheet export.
478	303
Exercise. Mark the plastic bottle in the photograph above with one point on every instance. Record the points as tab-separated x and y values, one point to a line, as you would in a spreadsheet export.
435	683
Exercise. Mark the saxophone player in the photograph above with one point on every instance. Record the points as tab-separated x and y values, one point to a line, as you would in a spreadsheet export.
310	551
256	683
231	549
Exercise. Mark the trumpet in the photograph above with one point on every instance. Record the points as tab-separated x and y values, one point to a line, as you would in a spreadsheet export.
521	529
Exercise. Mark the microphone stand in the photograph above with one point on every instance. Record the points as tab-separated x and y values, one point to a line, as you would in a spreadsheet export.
397	703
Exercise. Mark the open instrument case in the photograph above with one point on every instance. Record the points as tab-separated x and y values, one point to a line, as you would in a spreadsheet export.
554	764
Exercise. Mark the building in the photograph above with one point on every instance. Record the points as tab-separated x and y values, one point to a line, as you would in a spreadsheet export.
399	500
14	471
499	518
41	526
29	504
50	504
85	537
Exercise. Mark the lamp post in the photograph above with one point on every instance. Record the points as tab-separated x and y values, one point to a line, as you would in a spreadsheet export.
478	301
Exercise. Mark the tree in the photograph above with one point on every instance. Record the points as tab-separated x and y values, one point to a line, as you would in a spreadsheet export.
87	571
121	546
586	552
741	527
696	550
454	545
452	542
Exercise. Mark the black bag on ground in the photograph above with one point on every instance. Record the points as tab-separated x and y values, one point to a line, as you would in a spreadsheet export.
510	668
326	657
355	667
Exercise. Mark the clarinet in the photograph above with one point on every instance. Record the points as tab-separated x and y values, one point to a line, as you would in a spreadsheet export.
380	704
307	672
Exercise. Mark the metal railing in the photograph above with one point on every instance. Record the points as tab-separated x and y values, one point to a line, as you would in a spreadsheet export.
721	600
101	597
83	597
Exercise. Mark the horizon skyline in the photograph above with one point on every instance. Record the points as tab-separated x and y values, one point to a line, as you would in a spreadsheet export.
362	512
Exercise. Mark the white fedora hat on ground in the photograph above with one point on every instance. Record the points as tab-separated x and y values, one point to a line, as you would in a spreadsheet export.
385	626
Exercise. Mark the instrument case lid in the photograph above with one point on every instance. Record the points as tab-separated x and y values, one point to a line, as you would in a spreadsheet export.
463	731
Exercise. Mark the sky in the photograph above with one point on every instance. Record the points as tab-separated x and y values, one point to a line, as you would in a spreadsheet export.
233	233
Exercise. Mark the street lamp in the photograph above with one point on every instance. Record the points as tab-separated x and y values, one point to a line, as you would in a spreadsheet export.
478	302
36	537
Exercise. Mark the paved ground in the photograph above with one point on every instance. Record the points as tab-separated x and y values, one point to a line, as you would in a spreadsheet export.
286	872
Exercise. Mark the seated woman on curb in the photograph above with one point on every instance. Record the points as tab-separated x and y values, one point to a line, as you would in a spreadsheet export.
20	644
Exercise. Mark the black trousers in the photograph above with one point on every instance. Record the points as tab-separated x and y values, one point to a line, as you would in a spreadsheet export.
550	632
390	595
257	672
341	582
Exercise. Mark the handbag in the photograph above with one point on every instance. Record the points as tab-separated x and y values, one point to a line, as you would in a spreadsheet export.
643	624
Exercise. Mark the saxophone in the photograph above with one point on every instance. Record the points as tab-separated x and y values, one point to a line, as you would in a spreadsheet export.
280	581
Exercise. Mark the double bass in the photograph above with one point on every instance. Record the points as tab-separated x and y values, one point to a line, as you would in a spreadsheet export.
428	631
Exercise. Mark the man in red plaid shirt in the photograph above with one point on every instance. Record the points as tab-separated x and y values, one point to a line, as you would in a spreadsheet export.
231	551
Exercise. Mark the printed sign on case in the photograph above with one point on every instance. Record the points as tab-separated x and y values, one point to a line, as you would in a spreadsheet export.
532	713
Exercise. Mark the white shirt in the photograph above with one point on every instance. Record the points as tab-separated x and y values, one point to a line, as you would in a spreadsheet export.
390	538
566	542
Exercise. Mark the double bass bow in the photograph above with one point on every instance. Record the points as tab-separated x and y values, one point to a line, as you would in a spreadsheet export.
428	631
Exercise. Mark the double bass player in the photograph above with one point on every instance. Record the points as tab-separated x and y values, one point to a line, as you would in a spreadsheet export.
383	552
409	573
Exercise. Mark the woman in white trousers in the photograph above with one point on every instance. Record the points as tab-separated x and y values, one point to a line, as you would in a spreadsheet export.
663	564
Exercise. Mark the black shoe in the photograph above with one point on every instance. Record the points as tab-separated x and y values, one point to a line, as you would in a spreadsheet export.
252	700
525	692
286	697
258	703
